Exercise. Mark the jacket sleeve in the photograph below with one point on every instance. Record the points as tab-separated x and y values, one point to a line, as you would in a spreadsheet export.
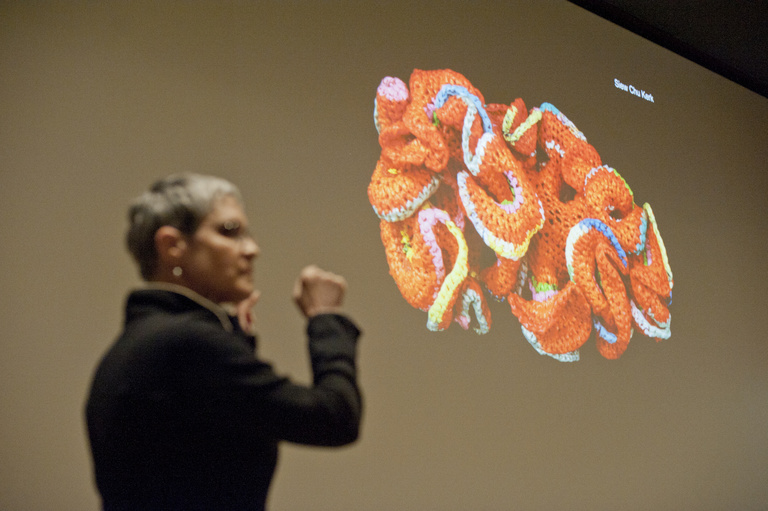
326	413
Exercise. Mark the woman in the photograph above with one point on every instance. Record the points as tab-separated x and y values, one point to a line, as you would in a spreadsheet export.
181	414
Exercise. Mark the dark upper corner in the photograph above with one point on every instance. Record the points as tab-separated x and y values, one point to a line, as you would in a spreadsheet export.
728	38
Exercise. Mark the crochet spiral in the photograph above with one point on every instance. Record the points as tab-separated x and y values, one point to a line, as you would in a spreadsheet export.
459	180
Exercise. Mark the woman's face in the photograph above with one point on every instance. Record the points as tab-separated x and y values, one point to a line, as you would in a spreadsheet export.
218	261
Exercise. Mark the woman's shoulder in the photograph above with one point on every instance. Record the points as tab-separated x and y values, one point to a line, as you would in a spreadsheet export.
168	320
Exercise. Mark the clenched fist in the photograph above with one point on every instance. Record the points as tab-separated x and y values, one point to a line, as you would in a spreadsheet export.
319	292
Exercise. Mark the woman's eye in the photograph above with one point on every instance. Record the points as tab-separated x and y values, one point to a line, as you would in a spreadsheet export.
230	229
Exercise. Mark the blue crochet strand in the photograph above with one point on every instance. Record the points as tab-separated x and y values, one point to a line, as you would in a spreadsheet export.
450	90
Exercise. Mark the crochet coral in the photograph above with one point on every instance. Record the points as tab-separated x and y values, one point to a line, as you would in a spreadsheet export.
574	255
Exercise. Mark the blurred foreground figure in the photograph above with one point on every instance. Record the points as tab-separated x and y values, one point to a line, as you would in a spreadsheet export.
181	414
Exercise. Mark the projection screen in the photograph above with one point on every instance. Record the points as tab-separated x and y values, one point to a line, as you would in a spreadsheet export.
100	99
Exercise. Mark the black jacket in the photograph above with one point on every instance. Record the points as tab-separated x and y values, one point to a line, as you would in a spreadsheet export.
182	415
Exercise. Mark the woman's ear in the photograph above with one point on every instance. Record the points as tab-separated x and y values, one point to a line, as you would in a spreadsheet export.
171	245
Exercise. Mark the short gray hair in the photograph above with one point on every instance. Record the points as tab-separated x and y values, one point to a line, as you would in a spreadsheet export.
179	200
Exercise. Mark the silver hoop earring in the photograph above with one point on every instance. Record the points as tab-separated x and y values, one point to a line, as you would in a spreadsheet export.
177	271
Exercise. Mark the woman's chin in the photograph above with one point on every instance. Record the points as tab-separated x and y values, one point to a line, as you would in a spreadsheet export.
243	292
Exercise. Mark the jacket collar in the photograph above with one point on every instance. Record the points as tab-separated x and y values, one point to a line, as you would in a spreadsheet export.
216	309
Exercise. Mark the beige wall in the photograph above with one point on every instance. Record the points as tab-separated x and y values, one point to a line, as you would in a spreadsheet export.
99	99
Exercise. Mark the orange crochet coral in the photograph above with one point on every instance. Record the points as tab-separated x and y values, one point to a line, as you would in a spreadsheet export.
573	252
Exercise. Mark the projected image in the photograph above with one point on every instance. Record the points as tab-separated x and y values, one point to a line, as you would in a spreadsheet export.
480	201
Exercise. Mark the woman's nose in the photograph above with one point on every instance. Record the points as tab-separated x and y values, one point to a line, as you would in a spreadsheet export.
251	248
